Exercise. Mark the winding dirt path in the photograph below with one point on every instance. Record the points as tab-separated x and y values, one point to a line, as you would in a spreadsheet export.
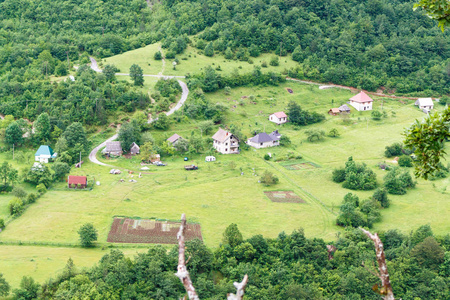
183	98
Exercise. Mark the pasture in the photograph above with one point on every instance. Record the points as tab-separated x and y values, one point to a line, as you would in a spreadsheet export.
227	190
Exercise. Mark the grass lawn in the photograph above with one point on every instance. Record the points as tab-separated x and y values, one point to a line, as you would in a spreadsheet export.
217	194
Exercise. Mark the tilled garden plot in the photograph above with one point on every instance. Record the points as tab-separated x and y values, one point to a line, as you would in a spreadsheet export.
284	196
126	230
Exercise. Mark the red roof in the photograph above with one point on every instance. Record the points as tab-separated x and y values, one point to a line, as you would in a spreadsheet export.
280	114
361	97
77	180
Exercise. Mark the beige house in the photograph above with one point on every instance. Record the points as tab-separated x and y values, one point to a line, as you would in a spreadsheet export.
264	140
278	117
225	142
361	102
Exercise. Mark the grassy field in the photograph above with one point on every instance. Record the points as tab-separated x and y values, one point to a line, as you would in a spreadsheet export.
217	194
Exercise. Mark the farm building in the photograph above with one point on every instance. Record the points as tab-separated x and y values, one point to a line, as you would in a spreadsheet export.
344	109
44	154
278	117
134	149
263	140
210	158
225	142
74	182
361	102
113	148
174	139
425	104
334	111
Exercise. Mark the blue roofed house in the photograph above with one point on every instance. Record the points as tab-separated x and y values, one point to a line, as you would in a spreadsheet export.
44	154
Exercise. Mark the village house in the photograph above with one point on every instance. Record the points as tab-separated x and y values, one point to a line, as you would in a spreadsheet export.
113	148
134	149
174	139
225	142
361	102
264	140
74	182
44	154
334	111
344	109
425	104
278	117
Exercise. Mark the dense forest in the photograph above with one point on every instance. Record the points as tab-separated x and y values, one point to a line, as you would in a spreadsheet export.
367	44
290	266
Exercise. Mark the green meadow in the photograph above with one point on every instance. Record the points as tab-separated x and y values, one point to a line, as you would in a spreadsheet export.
226	191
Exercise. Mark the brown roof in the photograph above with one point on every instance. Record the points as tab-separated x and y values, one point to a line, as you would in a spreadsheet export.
221	135
280	114
113	147
361	97
335	110
77	180
174	138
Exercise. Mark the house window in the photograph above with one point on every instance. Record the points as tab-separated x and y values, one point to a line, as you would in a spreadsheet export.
226	149
261	144
364	108
226	144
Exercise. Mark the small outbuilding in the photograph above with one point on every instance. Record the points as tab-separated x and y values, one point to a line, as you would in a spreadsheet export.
155	158
361	102
134	149
174	139
210	158
74	182
344	109
278	117
334	111
113	148
425	104
44	154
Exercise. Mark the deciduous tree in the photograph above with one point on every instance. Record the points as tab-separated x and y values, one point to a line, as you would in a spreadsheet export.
88	235
136	75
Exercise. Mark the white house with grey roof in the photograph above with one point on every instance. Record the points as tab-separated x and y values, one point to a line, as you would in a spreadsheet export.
264	140
425	104
225	142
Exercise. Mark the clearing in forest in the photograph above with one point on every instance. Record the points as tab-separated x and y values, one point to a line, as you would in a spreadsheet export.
284	196
126	230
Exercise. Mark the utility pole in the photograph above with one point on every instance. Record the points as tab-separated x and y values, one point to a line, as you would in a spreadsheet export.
80	159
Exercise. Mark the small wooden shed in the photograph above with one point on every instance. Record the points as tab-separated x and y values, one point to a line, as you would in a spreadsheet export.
334	111
134	149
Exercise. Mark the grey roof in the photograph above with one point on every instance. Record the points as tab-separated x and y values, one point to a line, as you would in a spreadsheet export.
344	108
134	146
174	138
261	138
113	147
275	135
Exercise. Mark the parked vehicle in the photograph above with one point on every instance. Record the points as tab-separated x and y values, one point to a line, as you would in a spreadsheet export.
190	167
159	164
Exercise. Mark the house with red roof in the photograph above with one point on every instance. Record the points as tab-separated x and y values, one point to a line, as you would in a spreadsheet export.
361	102
278	117
74	182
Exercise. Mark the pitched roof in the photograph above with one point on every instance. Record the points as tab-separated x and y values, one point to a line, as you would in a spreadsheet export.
44	150
275	135
174	138
134	145
344	108
280	114
361	97
221	135
335	110
77	180
261	138
113	147
425	101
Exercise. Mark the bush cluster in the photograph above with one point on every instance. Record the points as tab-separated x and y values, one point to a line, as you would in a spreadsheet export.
355	176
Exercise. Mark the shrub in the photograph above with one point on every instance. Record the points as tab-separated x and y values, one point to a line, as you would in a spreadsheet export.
376	115
15	206
381	196
393	150
31	198
274	61
357	176
158	55
396	182
19	192
264	64
268	178
88	235
267	156
333	133
405	161
2	224
41	188
339	175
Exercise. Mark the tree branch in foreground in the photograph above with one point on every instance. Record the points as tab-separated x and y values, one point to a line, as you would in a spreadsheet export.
386	288
183	273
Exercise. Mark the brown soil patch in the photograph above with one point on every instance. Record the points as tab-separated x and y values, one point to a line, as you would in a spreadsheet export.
290	91
126	230
284	196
